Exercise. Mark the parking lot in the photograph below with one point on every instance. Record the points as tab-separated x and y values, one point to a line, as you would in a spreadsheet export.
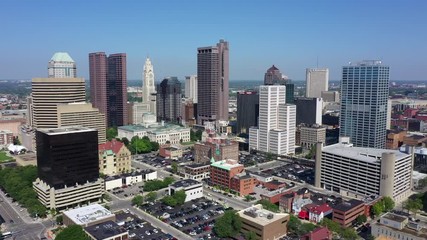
294	172
128	191
195	218
140	229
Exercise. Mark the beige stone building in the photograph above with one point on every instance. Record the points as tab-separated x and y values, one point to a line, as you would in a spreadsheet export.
114	158
310	135
82	114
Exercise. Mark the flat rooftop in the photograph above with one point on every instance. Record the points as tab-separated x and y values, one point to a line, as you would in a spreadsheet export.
226	164
370	155
197	165
154	128
105	230
87	214
185	183
394	217
65	130
258	215
347	205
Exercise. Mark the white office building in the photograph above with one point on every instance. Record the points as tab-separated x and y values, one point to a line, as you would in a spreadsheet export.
277	120
317	81
364	95
193	189
363	172
191	87
61	65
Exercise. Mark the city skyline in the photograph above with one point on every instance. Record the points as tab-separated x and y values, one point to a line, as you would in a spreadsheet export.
307	33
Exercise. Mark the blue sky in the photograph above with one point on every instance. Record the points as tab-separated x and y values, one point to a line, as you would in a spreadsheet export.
289	34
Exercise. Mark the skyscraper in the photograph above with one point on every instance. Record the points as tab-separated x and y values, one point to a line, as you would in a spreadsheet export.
247	111
68	167
117	90
148	87
108	86
98	80
364	94
276	126
47	93
61	65
213	79
169	100
317	80
191	87
309	110
273	76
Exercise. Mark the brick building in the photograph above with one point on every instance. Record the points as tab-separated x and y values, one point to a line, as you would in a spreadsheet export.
216	148
243	183
223	171
346	212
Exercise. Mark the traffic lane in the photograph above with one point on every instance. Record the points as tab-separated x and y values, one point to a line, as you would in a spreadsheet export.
234	203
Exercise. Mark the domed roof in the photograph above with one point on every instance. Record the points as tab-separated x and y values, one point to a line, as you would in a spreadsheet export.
61	57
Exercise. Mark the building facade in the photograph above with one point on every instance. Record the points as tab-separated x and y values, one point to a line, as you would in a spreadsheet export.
61	65
169	100
276	127
273	76
223	171
212	82
247	111
6	137
364	95
108	85
393	226
47	93
218	149
197	171
309	110
67	163
82	114
160	133
362	172
311	135
191	87
192	188
114	158
317	80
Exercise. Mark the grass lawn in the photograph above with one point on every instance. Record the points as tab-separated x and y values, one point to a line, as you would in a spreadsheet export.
187	143
3	157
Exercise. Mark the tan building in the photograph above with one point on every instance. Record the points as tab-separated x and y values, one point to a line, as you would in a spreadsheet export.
218	149
310	135
47	93
114	158
12	124
265	224
6	137
395	139
82	114
393	226
170	152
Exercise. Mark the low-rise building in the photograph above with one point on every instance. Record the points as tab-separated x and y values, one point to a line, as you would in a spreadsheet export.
160	133
243	183
265	224
216	148
170	152
107	231
114	158
261	177
129	178
193	189
197	171
223	171
346	212
68	196
417	179
88	215
112	182
321	233
318	212
399	227
6	137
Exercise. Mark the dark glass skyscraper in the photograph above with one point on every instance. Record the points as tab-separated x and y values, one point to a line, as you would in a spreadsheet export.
66	156
169	100
108	86
247	111
364	95
212	83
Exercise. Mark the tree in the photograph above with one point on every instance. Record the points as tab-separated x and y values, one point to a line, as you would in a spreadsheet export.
180	197
268	205
72	232
111	133
174	166
59	219
413	205
154	146
361	219
228	225
312	153
169	200
138	200
331	225
377	208
251	236
388	204
125	141
294	223
348	233
16	141
151	196
249	198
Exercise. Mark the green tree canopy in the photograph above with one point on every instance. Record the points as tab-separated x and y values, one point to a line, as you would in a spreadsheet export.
388	204
151	196
361	219
268	205
377	208
228	225
72	232
174	166
251	236
111	133
59	219
413	205
138	200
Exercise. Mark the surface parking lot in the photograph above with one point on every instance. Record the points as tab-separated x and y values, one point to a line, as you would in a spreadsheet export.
294	172
140	229
128	191
195	218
